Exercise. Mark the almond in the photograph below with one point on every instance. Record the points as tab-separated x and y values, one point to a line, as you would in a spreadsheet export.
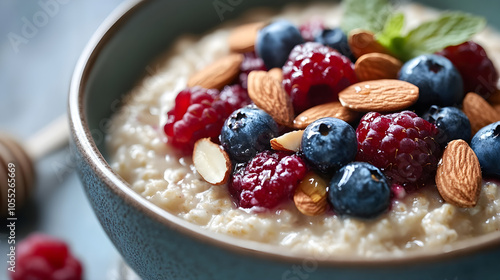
211	162
242	38
218	74
496	107
269	95
362	42
494	99
332	109
310	195
376	66
384	95
458	176
276	73
288	142
479	111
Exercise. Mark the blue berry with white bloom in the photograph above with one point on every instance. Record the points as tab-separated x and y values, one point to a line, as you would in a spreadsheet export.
329	143
438	81
451	122
486	145
246	132
335	39
275	41
359	190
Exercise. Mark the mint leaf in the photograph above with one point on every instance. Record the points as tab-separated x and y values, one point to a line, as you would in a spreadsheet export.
369	15
448	30
392	30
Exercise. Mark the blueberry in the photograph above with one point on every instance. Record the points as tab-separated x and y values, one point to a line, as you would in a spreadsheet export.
246	132
360	190
336	39
328	144
486	145
439	82
275	42
451	122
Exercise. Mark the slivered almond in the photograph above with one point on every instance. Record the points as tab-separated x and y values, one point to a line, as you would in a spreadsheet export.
479	111
211	162
242	38
362	42
288	142
218	74
332	109
376	66
386	95
310	195
458	176
269	95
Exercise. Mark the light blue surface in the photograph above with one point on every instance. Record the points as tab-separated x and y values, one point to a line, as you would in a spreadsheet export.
34	82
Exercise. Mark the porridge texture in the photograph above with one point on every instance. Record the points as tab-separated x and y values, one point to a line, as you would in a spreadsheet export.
138	153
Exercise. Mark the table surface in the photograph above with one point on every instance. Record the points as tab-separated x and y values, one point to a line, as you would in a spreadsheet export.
40	42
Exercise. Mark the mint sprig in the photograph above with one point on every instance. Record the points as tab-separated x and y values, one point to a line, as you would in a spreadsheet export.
365	14
451	28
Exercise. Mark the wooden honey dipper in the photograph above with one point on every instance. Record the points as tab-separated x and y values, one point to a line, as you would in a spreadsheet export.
17	172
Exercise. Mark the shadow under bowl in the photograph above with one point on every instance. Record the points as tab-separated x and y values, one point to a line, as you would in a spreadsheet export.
159	245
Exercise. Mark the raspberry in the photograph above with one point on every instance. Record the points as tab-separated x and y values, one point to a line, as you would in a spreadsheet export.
43	257
200	113
401	144
235	96
268	179
311	28
477	70
250	62
315	74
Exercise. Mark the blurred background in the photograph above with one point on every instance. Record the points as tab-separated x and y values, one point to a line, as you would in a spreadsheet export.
36	65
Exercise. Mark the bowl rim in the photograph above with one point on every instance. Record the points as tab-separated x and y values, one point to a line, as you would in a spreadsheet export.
82	138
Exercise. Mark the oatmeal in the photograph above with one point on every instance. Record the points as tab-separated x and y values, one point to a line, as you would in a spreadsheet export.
138	153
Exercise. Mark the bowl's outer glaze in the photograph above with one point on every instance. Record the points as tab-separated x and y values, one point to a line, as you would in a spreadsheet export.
158	245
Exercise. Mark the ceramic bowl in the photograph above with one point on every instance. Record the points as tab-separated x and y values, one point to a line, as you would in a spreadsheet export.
158	245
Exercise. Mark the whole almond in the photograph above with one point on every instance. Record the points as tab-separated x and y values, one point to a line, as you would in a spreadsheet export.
218	74
496	107
458	176
362	42
276	73
242	38
494	99
384	95
375	66
269	95
332	109
479	111
310	195
288	142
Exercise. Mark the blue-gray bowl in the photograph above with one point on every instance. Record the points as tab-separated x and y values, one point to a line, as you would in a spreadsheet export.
159	245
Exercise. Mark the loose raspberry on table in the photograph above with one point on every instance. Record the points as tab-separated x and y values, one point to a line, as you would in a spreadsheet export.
314	74
401	144
267	180
200	113
251	62
43	257
476	68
